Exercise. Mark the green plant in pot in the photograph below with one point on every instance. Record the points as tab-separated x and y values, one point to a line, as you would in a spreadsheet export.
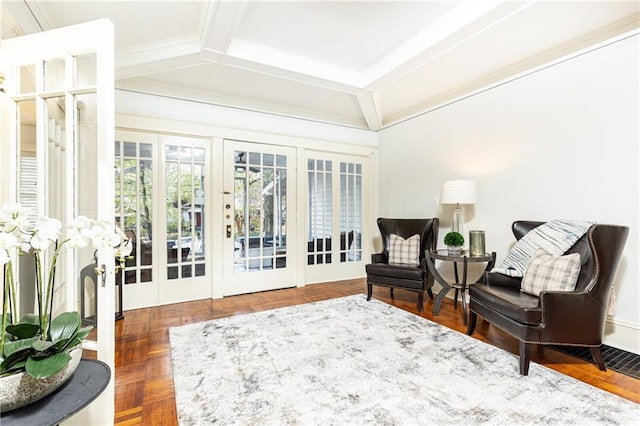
454	242
38	344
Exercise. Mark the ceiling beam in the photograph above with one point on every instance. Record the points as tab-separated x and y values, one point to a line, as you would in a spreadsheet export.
220	26
370	105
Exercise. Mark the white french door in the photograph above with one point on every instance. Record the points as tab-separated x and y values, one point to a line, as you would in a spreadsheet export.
186	275
161	204
58	115
335	217
259	210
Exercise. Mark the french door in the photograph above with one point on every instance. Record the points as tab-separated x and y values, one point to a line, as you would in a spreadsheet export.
161	204
335	216
259	226
57	128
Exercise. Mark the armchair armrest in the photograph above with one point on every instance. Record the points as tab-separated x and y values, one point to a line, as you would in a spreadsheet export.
379	258
560	310
500	280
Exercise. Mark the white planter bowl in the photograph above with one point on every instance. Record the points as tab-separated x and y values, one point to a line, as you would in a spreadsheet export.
19	390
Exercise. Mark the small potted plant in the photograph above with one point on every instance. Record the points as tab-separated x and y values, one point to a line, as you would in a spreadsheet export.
454	241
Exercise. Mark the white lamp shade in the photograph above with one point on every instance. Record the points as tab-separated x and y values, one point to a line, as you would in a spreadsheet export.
458	191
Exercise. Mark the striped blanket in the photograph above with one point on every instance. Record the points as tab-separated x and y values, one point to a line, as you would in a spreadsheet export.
555	237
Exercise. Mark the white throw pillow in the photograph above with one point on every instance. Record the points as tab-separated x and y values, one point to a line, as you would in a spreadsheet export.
405	252
547	272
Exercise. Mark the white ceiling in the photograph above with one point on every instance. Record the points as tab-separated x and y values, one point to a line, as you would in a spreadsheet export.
365	64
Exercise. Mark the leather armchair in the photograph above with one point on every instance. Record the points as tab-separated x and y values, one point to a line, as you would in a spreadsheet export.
413	278
574	318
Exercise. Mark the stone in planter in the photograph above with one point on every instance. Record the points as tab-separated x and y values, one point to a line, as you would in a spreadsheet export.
19	390
454	250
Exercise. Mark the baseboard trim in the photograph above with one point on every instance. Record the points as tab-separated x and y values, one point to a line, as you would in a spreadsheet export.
622	335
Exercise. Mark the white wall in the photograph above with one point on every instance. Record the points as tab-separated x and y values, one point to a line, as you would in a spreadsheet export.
559	143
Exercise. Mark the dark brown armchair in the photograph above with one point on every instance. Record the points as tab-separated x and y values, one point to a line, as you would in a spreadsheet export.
574	318
414	278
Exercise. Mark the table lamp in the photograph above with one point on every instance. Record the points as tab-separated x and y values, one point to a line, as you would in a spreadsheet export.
458	192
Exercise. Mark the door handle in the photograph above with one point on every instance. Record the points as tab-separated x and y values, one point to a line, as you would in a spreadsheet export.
228	231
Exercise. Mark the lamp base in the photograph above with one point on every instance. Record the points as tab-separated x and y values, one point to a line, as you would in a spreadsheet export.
457	219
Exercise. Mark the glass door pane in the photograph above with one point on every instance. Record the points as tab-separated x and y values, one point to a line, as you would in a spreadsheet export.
134	194
350	212
320	205
185	211
260	194
259	199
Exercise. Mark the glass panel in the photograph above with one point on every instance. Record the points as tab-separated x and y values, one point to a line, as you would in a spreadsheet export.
350	212
254	158
56	121
185	153
87	198
145	150
200	269
54	74
185	210
171	152
260	215
85	70
134	208
172	212
198	155
320	210
130	149
146	213
27	79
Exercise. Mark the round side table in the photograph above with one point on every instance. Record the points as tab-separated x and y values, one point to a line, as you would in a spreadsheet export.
459	285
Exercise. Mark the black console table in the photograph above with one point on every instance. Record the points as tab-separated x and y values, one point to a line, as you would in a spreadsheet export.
86	384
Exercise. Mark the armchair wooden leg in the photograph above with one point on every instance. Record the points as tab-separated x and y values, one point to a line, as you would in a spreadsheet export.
430	294
471	325
525	357
421	301
597	357
369	291
391	291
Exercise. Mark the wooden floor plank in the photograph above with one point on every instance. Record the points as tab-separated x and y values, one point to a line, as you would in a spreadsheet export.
144	380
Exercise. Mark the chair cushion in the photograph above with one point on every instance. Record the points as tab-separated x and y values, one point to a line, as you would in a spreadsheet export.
547	272
510	302
395	271
404	252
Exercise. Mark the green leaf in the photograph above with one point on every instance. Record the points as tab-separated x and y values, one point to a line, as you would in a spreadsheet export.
41	368
76	339
64	326
42	345
18	345
23	330
15	360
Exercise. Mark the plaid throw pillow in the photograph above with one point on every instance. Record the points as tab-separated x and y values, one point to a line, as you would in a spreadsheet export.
405	252
547	272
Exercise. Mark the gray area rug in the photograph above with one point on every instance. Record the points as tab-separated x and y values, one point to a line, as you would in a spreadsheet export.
347	361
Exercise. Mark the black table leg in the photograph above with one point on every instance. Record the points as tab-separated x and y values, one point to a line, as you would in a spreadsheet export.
445	286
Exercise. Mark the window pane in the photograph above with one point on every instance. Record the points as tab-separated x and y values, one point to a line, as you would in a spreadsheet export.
85	70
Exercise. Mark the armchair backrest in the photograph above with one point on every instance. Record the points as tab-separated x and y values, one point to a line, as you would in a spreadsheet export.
600	250
426	228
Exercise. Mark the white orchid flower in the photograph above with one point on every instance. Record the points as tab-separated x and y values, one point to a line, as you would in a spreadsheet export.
14	217
46	231
8	240
78	234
